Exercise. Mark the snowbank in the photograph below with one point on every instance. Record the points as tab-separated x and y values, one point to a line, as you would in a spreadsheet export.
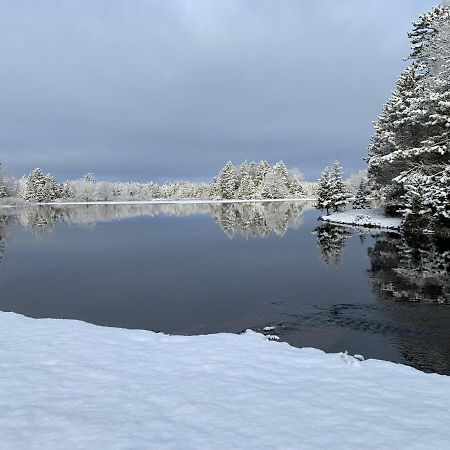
67	384
371	218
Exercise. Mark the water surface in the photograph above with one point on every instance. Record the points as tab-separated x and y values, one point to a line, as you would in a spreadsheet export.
191	269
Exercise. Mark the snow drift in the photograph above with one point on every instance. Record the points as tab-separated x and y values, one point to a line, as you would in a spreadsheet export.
67	384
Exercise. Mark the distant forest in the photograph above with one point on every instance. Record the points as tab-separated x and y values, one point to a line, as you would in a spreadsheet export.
245	181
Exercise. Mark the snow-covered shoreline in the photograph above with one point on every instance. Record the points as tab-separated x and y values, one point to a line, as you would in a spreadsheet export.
368	218
68	384
164	202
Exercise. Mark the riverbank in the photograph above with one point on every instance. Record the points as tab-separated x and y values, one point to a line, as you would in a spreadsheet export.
161	201
368	218
74	385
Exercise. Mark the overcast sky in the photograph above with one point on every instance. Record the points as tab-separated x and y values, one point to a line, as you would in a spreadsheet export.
142	89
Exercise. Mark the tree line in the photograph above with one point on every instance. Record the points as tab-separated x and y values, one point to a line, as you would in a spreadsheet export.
245	181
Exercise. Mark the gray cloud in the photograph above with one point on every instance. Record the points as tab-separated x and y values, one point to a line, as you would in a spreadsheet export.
174	88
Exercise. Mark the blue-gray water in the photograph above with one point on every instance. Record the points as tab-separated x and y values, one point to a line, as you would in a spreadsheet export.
191	269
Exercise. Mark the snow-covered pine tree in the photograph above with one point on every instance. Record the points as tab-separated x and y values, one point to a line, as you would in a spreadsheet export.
67	190
363	192
397	128
252	168
331	190
281	172
227	181
34	186
40	187
339	194
294	185
89	178
419	131
324	192
246	186
274	185
239	172
261	170
215	191
3	184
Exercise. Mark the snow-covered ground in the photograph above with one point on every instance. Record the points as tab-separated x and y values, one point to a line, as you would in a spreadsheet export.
178	202
372	218
71	385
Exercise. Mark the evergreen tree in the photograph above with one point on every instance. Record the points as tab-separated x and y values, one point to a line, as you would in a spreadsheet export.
294	186
340	195
89	178
67	191
3	184
409	154
40	187
273	185
360	201
324	191
331	191
227	181
262	168
246	187
281	172
244	168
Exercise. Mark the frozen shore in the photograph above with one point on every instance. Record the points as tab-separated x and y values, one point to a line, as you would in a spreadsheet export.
158	202
68	384
370	218
178	202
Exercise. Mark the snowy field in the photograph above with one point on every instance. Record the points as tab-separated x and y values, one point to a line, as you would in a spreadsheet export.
67	384
371	218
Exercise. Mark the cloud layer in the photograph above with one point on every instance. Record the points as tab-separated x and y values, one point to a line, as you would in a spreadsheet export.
164	89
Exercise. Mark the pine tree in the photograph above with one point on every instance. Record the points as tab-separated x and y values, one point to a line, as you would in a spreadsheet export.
246	187
39	187
331	191
88	188
239	173
294	186
274	185
324	191
89	178
339	194
67	191
227	181
281	172
262	168
410	151
3	184
360	201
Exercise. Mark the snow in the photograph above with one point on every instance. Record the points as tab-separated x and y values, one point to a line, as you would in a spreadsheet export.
178	202
68	384
371	218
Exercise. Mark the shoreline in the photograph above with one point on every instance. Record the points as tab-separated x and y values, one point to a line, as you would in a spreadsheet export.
365	218
163	202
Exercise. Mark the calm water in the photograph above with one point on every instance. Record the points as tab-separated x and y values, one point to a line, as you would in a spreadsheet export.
192	269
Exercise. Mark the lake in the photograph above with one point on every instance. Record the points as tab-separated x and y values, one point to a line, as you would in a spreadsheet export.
195	269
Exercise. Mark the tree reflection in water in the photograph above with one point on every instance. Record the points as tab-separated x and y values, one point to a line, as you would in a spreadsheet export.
245	219
410	271
331	241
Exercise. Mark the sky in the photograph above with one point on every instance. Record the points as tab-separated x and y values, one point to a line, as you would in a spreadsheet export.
146	89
